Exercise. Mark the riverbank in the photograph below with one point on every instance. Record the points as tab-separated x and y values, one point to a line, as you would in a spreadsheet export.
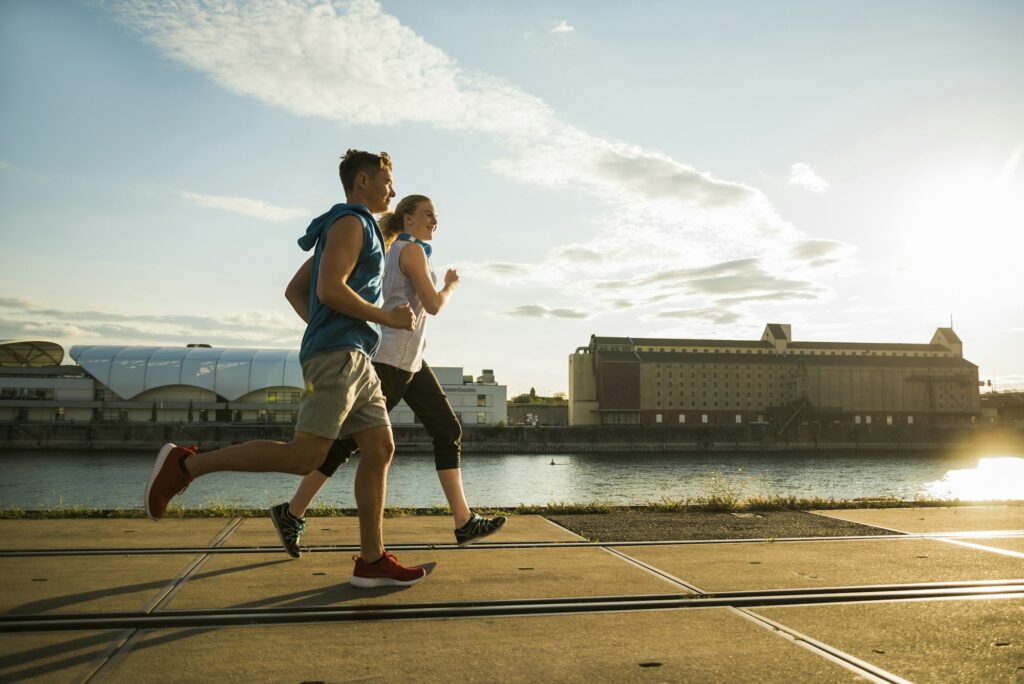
712	504
113	437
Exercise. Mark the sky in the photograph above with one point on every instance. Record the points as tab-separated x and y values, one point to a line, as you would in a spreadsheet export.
648	169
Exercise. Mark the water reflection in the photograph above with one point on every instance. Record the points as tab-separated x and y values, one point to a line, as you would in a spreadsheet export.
994	478
110	480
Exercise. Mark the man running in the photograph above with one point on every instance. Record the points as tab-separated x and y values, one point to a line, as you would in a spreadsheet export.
342	396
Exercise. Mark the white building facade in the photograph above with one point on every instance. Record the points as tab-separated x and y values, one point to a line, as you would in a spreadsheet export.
194	384
476	402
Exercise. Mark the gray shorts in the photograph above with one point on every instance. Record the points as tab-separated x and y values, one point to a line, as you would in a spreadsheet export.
342	396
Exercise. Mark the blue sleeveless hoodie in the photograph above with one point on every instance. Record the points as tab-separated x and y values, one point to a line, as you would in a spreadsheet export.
329	330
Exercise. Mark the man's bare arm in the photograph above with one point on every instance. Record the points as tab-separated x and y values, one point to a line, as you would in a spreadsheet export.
338	260
297	292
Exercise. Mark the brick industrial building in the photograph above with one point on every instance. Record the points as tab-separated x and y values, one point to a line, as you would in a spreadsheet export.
624	380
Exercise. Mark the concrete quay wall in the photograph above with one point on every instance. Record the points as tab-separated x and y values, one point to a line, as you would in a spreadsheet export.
539	440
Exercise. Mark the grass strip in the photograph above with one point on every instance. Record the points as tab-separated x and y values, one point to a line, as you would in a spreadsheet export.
708	504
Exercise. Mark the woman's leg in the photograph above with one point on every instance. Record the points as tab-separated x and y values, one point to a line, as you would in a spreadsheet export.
308	488
451	483
340	453
428	401
287	517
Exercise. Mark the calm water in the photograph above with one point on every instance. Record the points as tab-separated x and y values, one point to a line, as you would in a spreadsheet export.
34	480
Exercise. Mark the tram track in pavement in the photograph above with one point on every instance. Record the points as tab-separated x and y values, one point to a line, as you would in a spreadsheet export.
156	615
422	546
225	617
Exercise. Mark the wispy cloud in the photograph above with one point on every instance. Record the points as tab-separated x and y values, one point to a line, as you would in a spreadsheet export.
22	317
712	314
246	207
352	62
499	271
563	27
803	176
538	311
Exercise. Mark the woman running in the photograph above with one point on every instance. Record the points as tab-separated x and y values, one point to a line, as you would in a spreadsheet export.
409	278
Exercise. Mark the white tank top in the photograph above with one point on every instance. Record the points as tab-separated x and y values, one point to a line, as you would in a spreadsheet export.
402	348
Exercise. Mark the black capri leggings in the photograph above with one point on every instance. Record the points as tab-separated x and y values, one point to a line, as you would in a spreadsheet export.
423	393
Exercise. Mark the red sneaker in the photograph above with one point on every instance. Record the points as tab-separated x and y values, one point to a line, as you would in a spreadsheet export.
387	572
167	480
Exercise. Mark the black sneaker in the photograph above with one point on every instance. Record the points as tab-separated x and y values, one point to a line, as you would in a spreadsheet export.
477	528
289	528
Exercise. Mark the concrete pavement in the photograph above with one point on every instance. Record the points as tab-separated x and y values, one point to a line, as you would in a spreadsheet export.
217	600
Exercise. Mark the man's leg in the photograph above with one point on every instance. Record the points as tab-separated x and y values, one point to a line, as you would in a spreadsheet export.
292	525
392	383
374	566
176	467
302	455
377	447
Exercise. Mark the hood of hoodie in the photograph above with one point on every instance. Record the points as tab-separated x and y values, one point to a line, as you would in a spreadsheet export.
323	222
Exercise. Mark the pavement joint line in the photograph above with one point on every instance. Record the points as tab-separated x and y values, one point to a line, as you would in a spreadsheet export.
103	656
850	662
831	653
983	547
372	613
564	528
955	538
490	546
105	663
657	572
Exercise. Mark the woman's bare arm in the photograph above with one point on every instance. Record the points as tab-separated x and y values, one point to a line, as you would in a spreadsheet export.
413	262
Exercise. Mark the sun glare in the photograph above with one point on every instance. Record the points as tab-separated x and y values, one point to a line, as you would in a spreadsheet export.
997	478
966	225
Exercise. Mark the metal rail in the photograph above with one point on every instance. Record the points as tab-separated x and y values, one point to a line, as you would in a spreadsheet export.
225	617
348	548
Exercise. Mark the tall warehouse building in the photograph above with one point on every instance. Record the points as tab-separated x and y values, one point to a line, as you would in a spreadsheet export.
646	381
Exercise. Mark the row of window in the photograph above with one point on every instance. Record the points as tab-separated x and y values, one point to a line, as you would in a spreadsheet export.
292	397
715	404
284	397
807	352
658	418
704	418
26	393
888	420
691	373
406	417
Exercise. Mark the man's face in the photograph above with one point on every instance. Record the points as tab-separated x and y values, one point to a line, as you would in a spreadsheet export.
379	191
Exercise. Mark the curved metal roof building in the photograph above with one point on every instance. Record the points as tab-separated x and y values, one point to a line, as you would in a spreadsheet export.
229	373
30	353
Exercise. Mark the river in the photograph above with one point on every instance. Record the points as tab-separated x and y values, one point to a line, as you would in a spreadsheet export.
37	479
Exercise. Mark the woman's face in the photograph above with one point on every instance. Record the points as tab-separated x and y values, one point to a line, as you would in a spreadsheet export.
422	222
